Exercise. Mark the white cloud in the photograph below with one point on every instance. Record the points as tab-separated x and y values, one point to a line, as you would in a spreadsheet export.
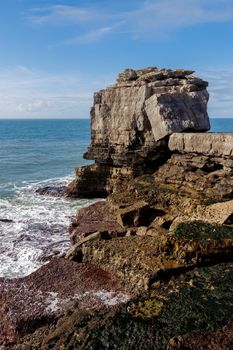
220	89
153	18
26	93
163	16
62	15
88	37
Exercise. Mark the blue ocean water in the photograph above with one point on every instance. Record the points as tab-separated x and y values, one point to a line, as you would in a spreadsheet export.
34	153
221	124
36	150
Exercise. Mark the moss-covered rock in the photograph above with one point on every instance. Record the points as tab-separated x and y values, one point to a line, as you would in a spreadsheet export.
202	230
198	300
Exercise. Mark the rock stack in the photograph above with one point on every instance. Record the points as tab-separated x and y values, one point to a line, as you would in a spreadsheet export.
131	122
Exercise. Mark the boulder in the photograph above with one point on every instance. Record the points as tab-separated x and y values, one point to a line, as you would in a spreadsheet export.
51	190
138	214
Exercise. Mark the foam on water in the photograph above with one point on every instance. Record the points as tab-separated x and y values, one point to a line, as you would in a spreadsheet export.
37	226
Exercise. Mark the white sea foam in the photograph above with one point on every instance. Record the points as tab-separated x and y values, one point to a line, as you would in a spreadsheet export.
38	228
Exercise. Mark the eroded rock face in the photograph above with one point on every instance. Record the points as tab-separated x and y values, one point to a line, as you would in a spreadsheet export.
129	119
200	175
130	126
97	180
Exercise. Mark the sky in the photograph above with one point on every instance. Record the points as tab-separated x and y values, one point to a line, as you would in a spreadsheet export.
55	54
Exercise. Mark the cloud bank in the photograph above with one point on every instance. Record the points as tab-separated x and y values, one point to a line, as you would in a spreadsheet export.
25	93
221	91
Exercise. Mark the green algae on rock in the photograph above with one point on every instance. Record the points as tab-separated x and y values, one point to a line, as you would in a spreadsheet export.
203	230
201	300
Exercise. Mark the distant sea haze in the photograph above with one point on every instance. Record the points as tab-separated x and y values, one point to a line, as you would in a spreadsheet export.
35	153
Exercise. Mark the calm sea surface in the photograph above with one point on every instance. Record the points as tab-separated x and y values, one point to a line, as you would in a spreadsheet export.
34	153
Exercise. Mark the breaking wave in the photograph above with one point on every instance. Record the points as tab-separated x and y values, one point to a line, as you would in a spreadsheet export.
33	227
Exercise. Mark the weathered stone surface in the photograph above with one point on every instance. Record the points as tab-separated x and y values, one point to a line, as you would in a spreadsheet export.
221	213
131	122
198	302
54	290
139	260
221	339
210	144
136	215
75	252
176	111
129	119
95	218
201	176
97	180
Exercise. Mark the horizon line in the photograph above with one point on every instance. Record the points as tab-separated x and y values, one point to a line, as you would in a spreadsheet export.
88	118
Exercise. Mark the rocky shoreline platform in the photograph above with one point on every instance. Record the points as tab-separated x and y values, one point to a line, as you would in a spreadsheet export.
151	263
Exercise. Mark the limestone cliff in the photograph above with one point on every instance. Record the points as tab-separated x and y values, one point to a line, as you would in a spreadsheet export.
131	121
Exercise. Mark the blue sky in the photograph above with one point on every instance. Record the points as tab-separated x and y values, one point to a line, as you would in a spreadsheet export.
55	54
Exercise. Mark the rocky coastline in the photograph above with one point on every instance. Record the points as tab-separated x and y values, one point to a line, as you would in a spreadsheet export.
151	263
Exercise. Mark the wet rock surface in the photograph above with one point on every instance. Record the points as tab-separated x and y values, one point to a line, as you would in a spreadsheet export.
199	301
58	288
55	191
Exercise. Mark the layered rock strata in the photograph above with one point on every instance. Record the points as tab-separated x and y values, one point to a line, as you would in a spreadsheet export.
129	119
209	144
130	124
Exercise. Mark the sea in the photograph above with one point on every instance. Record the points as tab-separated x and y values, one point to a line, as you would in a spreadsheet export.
34	154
